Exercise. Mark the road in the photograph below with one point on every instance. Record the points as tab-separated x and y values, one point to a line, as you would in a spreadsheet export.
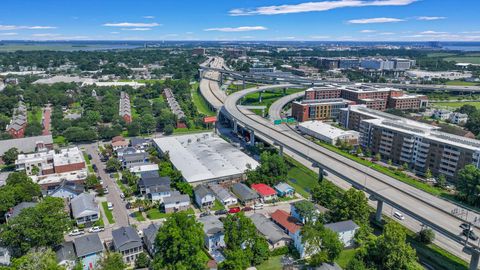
275	110
209	87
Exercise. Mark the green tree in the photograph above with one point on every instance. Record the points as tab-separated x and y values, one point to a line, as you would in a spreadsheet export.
10	156
306	210
353	205
428	174
113	165
91	181
321	244
272	169
390	251
147	123
142	261
168	129
468	185
19	188
39	226
426	235
134	128
378	157
441	181
113	261
179	244
33	129
38	259
325	194
241	235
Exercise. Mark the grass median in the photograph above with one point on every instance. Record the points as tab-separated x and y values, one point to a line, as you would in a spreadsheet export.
108	213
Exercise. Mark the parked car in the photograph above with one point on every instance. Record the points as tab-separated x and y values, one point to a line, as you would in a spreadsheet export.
247	208
258	206
128	205
234	210
94	166
101	181
76	232
110	206
398	215
96	229
204	214
122	195
470	234
221	212
105	190
89	156
465	226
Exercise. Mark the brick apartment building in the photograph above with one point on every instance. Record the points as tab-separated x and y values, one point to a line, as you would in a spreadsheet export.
377	98
18	123
124	109
420	146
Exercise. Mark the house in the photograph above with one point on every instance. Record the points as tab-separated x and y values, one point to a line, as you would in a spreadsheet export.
138	169
223	195
318	209
154	188
127	150
84	209
203	196
328	266
4	256
89	249
214	232
133	159
149	235
15	211
275	236
140	143
284	190
119	145
176	203
346	231
245	195
67	190
458	118
267	194
127	242
66	256
292	227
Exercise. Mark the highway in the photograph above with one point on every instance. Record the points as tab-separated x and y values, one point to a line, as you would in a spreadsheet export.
209	87
421	206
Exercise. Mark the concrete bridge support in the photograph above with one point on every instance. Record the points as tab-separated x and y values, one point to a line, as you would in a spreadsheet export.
474	259
260	97
235	126
252	138
280	152
243	82
200	73
378	214
221	78
284	91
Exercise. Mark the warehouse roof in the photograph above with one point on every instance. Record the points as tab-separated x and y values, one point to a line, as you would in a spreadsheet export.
326	130
204	156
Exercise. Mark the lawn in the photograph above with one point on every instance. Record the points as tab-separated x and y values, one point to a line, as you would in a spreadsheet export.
200	102
345	256
217	205
60	140
455	105
268	98
108	213
155	213
138	216
189	130
34	115
440	54
461	83
464	59
301	178
273	263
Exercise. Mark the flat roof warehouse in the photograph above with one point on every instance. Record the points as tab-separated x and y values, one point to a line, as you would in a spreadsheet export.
205	157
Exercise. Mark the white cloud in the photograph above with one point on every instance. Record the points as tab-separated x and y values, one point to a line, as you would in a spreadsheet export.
21	27
129	24
432	33
8	34
316	6
137	29
237	29
375	20
45	35
368	31
319	37
149	17
247	37
430	18
114	33
386	33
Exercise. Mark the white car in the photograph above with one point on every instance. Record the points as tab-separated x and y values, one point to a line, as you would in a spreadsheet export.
96	229
258	206
76	232
110	206
398	215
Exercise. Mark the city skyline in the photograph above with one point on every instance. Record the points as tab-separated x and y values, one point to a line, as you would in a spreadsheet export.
295	20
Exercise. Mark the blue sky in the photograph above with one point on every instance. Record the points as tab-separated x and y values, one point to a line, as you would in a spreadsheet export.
384	20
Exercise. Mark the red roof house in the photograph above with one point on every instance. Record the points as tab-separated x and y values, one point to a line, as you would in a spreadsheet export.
266	192
287	222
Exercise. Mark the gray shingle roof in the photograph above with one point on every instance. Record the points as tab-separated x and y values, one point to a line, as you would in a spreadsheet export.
211	225
270	230
88	244
66	252
125	238
176	198
19	207
342	226
151	232
25	145
221	192
243	192
154	181
134	156
327	266
84	205
202	191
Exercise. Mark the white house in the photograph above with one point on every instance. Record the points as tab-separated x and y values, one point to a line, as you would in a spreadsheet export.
292	227
84	209
223	195
458	118
441	114
176	202
346	231
203	196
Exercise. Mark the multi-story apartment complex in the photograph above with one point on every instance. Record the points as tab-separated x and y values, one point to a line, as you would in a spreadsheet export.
423	147
49	162
175	107
18	123
124	109
318	109
323	102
